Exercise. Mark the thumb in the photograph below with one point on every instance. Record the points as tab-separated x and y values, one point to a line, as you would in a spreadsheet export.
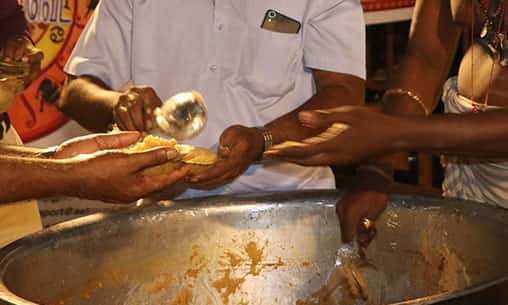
140	160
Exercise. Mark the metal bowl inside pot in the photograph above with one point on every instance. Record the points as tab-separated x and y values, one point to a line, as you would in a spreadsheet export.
275	248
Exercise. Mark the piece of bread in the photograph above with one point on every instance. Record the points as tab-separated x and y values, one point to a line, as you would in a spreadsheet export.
199	158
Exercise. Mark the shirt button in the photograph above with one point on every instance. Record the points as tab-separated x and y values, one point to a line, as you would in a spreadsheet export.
213	68
220	27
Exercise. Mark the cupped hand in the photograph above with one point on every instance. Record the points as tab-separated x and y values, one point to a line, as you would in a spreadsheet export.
116	176
134	109
239	147
353	134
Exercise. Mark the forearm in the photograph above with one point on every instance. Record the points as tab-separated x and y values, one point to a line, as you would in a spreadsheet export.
26	178
88	101
20	151
484	134
349	91
433	41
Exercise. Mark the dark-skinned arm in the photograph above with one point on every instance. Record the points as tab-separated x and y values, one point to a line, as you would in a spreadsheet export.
332	90
432	44
91	167
240	146
433	41
481	135
89	101
45	178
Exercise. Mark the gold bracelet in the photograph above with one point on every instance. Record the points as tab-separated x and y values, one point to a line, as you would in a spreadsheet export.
267	137
414	97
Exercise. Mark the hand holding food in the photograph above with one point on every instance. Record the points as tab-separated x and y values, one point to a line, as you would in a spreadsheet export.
117	176
199	159
239	147
100	167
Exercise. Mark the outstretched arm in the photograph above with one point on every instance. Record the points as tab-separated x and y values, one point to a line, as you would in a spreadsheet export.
91	167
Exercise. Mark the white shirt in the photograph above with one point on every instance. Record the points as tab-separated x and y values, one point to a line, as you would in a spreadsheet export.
247	75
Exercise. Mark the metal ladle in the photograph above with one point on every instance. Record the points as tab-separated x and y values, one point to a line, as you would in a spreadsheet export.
183	116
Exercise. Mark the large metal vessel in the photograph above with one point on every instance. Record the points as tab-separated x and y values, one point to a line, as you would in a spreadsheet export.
260	249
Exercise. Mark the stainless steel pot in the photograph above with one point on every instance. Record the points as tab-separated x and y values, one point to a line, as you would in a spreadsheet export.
274	248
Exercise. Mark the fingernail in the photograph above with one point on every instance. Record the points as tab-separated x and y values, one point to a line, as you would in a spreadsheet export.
171	154
305	116
7	59
25	59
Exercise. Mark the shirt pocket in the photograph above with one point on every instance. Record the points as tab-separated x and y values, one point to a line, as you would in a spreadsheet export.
268	63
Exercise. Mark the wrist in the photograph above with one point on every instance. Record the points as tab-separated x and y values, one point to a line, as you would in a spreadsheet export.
373	177
265	137
403	134
68	178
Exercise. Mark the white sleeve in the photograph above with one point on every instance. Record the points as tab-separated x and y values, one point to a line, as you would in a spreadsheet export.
334	37
104	48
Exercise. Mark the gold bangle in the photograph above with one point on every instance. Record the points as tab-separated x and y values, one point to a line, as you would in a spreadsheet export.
414	97
267	137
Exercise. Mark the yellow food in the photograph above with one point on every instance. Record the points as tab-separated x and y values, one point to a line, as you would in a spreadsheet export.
151	142
200	158
198	155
